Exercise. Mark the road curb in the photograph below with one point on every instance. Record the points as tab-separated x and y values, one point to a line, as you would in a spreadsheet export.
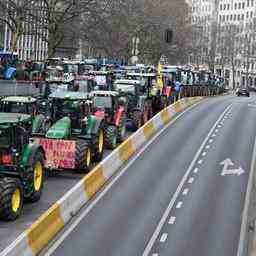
42	231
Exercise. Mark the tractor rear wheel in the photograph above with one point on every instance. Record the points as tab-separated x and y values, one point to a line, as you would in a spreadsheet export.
100	140
136	120
111	137
38	177
11	198
83	160
121	130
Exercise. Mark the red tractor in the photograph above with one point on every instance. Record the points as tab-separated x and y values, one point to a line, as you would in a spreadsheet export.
110	106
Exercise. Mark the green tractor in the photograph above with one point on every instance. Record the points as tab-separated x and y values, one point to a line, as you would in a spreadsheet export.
76	137
21	165
37	108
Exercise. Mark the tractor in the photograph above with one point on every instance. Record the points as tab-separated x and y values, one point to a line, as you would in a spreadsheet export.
110	107
37	108
103	79
21	165
154	94
76	137
138	105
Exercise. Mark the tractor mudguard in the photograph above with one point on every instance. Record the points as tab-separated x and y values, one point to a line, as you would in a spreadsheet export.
118	116
29	153
60	130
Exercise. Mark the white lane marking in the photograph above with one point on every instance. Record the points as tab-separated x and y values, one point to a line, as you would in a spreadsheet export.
196	170
179	188
217	130
208	146
204	154
155	254
200	161
219	126
115	178
179	205
163	237
172	220
185	191
191	180
214	135
211	141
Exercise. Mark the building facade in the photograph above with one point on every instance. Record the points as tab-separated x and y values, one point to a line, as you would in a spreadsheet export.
31	45
229	32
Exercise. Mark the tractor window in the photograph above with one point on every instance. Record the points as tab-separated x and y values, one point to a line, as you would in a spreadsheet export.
4	138
18	108
102	102
127	88
101	80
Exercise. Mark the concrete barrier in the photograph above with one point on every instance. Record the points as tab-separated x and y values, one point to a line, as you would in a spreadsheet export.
37	237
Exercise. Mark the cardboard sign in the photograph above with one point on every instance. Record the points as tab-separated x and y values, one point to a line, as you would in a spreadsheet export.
59	153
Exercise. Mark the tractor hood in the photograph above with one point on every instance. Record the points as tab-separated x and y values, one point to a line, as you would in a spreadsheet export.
60	130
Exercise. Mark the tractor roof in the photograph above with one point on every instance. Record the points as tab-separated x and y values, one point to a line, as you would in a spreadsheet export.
105	93
142	74
70	95
100	72
127	81
12	118
19	99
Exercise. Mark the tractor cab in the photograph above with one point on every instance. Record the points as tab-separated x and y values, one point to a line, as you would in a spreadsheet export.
74	105
103	80
19	104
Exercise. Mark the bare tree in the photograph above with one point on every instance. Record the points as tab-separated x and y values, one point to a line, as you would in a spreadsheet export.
16	15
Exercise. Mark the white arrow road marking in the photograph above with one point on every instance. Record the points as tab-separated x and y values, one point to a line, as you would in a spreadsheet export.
179	204
185	191
225	171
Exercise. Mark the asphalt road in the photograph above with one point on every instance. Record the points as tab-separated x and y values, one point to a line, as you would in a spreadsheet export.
55	187
174	198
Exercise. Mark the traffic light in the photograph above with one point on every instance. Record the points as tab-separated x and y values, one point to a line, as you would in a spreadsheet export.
168	36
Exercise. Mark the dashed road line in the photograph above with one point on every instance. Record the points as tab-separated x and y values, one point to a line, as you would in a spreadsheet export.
163	237
179	205
208	146
211	141
172	202
185	191
191	180
214	135
200	161
172	220
196	170
204	153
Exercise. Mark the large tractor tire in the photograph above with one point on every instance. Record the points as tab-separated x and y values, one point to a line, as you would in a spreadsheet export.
38	177
83	159
136	120
11	198
111	134
121	131
99	144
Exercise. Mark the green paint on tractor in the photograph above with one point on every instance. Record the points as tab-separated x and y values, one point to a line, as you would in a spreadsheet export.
60	130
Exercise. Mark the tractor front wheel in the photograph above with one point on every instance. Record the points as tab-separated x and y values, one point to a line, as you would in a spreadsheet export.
136	120
11	198
99	145
83	157
38	177
111	137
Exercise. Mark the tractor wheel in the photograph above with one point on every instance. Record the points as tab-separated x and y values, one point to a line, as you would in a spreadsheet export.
11	198
83	160
136	120
100	140
121	130
111	137
38	177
